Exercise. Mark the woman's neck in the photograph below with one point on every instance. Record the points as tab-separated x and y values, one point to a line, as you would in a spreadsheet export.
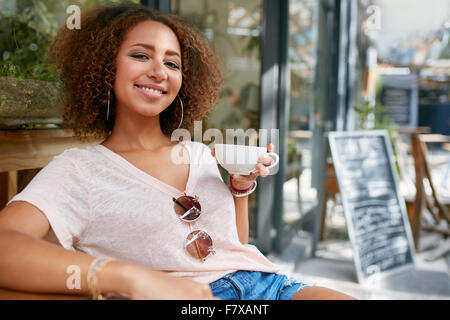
137	135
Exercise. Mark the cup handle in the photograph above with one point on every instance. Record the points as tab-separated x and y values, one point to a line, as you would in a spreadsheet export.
276	160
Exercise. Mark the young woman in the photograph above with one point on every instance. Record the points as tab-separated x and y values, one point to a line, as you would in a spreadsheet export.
141	224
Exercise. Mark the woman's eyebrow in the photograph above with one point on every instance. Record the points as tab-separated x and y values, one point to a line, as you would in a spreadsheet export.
152	48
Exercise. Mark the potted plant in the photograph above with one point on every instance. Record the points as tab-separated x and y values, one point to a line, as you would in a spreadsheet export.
29	86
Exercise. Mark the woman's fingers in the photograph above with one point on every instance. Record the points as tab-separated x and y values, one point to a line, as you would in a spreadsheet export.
263	171
265	160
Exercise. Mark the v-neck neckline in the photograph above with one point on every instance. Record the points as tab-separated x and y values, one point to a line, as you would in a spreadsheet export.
146	177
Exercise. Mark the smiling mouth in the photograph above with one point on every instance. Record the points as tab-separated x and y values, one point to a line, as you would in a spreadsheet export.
150	90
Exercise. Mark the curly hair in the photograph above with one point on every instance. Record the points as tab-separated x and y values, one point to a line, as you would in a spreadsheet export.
86	61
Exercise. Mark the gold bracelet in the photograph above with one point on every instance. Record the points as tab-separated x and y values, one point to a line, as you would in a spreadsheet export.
92	279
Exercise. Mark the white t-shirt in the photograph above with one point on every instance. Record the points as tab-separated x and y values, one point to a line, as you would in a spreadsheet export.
99	203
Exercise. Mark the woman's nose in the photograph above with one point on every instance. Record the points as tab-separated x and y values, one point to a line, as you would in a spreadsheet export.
157	71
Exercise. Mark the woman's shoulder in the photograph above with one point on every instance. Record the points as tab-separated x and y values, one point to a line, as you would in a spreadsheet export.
79	152
77	155
70	167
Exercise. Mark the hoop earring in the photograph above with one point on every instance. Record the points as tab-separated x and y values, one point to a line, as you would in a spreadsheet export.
182	112
109	98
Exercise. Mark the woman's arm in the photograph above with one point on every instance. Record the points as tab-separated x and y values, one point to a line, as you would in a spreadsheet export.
242	225
29	263
241	182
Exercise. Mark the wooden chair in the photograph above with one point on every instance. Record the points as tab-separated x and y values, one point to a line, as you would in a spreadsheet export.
7	294
432	202
331	188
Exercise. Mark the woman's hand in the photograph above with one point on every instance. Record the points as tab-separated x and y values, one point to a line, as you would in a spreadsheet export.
243	182
147	284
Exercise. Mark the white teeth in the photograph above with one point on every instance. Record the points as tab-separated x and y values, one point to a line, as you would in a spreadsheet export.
151	90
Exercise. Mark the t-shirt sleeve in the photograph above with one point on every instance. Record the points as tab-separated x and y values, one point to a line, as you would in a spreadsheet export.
208	162
61	192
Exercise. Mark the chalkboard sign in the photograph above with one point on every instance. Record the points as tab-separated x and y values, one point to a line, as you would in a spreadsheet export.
375	213
400	95
398	105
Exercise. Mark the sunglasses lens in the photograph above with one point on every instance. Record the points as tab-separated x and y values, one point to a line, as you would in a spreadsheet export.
199	244
187	208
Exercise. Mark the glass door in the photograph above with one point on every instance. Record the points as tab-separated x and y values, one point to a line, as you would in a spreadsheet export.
234	30
300	195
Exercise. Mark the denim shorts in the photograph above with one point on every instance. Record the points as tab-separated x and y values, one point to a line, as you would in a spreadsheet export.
255	285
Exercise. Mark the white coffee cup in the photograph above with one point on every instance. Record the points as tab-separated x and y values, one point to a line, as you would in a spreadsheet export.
239	159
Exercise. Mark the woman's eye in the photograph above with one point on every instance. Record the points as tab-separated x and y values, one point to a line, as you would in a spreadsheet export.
140	56
172	65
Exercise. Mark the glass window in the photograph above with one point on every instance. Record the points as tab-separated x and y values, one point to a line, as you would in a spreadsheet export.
233	28
299	194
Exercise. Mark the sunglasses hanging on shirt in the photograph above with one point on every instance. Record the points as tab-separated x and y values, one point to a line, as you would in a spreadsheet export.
198	243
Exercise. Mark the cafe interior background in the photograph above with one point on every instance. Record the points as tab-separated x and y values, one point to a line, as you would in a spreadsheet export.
304	67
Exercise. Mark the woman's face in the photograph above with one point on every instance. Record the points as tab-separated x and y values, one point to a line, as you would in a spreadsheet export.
148	70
